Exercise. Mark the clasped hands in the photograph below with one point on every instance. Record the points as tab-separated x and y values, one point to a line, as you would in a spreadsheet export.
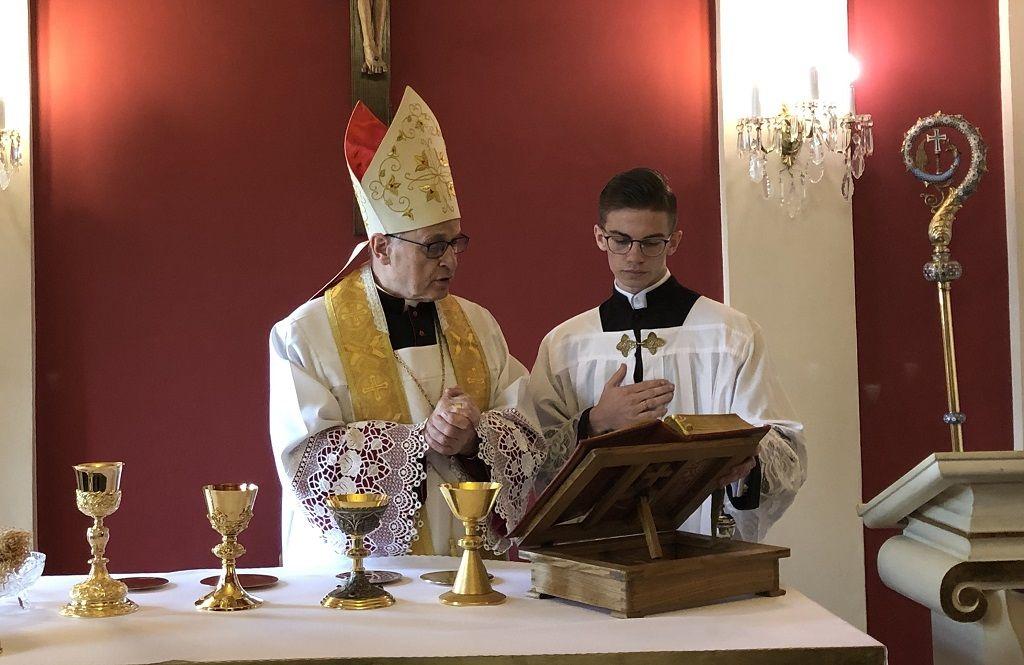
622	406
451	428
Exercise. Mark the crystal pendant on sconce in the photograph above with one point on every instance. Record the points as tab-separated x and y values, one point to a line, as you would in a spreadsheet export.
5	178
793	198
815	172
766	187
756	167
857	162
817	149
847	186
869	141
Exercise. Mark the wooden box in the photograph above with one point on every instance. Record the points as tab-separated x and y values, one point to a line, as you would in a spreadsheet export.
605	532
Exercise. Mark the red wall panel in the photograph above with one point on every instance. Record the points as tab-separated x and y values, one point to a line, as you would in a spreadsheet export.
190	190
919	57
541	103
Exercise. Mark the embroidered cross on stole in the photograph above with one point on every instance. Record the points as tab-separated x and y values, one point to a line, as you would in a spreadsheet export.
371	370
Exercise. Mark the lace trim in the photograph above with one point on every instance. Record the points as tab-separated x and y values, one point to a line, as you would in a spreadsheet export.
373	456
373	299
513	450
559	443
779	464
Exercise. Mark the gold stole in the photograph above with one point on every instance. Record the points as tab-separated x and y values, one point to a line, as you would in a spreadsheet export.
372	371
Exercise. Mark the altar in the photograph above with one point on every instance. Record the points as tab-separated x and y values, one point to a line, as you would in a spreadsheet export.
292	627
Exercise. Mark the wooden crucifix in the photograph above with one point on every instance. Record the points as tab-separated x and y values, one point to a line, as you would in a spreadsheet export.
370	55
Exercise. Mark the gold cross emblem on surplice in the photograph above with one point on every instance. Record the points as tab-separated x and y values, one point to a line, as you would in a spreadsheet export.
652	343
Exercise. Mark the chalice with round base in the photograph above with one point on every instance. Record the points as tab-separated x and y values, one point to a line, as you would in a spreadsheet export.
229	509
471	502
358	515
98	496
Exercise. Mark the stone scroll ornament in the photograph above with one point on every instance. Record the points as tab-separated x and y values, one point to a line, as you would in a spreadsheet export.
945	199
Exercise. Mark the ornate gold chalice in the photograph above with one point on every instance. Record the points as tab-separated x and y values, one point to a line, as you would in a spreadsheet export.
471	502
229	509
358	515
98	496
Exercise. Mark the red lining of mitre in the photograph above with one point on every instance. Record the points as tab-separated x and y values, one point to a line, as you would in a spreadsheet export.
363	136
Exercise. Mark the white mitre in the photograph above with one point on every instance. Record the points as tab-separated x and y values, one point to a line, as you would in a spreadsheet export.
400	174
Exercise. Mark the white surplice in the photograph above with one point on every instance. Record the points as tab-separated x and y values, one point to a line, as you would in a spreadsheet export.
314	435
717	362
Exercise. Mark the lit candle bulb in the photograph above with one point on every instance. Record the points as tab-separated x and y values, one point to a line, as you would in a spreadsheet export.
814	84
755	103
853	102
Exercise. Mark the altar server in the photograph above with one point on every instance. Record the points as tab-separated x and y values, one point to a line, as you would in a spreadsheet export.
385	382
654	348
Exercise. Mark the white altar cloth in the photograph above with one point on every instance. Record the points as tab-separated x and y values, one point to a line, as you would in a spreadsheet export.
292	626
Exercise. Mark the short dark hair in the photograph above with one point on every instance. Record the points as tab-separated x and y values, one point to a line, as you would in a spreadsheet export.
638	189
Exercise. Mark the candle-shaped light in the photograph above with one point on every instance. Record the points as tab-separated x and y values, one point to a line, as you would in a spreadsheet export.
755	102
814	84
853	101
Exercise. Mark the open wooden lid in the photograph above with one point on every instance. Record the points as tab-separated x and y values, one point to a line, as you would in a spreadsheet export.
597	491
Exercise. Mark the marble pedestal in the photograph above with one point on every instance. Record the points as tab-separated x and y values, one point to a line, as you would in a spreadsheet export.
961	552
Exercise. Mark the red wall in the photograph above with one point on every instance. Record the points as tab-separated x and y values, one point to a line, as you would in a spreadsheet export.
919	57
540	103
190	191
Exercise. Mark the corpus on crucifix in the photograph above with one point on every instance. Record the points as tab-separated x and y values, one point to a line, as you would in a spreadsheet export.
373	23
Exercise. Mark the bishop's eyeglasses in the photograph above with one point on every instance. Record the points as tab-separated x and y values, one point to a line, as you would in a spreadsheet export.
622	244
436	249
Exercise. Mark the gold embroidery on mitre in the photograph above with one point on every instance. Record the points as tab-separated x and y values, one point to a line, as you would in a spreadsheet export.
413	178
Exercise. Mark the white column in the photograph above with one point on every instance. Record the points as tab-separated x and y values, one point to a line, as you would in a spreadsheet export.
795	278
17	463
1011	47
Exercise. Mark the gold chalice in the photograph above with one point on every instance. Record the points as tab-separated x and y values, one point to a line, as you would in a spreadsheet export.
471	503
98	496
229	509
358	515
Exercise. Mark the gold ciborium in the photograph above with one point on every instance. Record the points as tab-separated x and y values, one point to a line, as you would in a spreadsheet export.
471	503
98	496
229	509
358	515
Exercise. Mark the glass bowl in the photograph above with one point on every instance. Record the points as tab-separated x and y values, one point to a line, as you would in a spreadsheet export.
29	573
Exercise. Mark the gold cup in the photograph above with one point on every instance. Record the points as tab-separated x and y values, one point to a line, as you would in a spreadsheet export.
229	509
98	496
471	503
358	515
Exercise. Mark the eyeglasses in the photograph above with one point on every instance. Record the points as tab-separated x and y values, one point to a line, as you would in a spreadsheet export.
648	246
437	249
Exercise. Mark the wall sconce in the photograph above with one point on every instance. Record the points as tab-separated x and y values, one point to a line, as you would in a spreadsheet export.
11	158
802	140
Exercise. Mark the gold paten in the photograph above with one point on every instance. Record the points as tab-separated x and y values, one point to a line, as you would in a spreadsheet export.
229	509
98	496
471	503
358	515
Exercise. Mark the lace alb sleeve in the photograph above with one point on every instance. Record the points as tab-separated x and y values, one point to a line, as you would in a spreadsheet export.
368	456
513	450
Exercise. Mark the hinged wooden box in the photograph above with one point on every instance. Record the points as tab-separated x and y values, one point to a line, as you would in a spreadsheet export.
605	532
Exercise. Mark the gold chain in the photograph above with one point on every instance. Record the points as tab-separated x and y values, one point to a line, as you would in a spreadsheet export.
440	350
